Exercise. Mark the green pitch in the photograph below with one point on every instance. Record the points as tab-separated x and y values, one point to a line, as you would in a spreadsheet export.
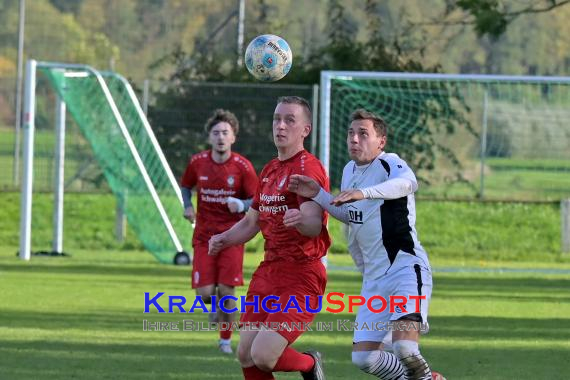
82	318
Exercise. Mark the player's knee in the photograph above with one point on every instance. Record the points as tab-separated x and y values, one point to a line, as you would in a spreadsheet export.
228	303
405	348
363	359
244	355
225	290
263	359
205	295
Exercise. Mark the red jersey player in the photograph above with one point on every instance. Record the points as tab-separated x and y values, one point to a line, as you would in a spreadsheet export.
296	238
225	182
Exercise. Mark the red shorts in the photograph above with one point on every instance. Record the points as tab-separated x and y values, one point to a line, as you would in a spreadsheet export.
225	268
283	280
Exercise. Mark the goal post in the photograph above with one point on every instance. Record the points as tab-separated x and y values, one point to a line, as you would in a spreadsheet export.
109	115
467	137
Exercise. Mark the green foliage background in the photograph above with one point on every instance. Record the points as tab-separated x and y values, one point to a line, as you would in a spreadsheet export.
469	36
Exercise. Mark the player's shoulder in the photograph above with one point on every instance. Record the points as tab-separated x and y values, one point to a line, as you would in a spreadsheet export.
395	166
349	167
240	160
238	157
200	157
307	159
271	164
389	156
392	159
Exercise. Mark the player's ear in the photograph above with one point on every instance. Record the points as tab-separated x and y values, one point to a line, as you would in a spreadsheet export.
382	142
308	128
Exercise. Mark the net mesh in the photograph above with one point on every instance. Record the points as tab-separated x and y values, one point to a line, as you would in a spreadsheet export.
86	101
465	138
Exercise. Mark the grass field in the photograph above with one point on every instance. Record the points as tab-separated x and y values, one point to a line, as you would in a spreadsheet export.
81	318
511	179
463	231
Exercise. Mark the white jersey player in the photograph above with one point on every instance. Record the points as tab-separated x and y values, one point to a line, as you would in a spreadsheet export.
382	234
377	202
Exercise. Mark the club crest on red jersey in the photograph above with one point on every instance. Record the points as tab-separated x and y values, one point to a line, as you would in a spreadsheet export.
231	181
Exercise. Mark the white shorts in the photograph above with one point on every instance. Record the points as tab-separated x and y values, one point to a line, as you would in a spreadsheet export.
407	281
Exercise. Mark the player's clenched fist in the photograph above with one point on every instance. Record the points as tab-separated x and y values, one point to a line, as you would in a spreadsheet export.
235	205
292	217
303	186
216	244
189	214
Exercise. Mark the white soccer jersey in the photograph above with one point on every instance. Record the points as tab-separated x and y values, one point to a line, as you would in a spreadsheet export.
382	234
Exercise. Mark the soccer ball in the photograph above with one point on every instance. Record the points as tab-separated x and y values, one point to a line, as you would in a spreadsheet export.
268	57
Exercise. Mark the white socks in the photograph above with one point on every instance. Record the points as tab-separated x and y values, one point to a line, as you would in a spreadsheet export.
409	354
383	365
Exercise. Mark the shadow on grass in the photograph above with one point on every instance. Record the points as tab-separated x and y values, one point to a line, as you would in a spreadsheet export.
104	269
502	283
474	328
93	321
97	269
88	360
112	345
60	359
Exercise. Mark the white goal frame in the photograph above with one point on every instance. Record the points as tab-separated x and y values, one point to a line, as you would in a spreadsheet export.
28	154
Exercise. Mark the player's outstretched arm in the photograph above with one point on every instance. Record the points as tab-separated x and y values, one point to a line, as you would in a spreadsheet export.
347	196
325	200
401	183
308	219
241	232
304	186
391	189
309	188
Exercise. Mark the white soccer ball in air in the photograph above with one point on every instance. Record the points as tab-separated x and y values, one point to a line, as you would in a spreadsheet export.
268	57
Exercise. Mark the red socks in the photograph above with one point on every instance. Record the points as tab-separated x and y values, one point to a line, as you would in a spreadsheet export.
254	373
292	360
226	333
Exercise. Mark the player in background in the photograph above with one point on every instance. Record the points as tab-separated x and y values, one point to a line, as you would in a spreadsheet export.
225	182
296	238
377	202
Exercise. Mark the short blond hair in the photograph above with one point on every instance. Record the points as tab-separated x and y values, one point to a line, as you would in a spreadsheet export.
304	103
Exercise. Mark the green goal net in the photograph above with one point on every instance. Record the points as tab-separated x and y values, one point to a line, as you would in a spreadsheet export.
466	136
105	108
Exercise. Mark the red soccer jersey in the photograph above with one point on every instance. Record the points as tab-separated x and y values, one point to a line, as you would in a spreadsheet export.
272	200
215	183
